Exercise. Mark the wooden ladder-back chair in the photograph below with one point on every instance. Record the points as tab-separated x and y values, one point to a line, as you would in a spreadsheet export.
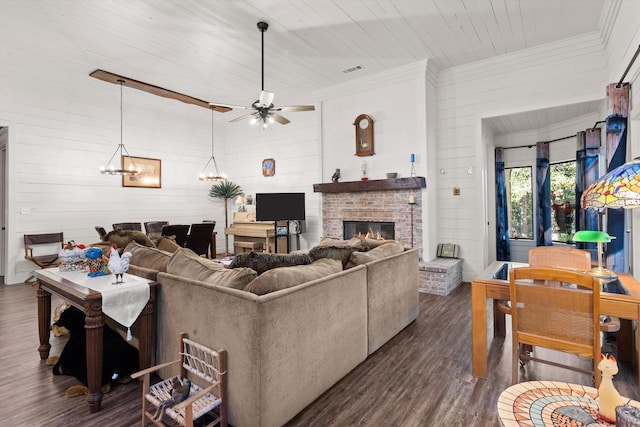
207	371
558	309
48	240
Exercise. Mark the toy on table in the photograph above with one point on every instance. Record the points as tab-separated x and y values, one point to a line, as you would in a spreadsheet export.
608	396
96	262
72	256
118	264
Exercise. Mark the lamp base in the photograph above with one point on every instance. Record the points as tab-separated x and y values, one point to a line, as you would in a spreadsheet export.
602	273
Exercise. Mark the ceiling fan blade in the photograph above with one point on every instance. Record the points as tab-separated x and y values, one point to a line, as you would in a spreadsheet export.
217	105
266	98
156	90
278	118
246	116
297	108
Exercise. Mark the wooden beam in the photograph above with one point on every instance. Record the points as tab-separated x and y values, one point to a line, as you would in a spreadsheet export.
371	185
156	90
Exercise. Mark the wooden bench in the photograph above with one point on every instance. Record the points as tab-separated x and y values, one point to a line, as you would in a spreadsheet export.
440	275
240	247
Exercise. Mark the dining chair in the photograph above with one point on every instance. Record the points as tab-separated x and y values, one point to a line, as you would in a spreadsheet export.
199	238
154	228
101	231
558	309
127	226
178	231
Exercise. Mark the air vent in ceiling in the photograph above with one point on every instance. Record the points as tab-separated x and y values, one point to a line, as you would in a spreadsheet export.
352	69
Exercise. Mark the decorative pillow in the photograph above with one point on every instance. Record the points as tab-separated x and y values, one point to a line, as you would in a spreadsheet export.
152	258
121	238
382	251
337	249
261	262
185	263
286	277
166	244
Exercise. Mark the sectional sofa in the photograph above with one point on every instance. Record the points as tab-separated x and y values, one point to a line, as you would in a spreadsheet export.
289	345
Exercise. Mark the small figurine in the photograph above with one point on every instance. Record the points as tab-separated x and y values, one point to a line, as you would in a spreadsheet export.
96	262
118	264
608	396
336	176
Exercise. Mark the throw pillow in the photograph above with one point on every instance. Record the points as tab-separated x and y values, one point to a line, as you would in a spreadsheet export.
144	256
261	262
166	244
382	251
374	243
121	238
337	249
185	263
286	277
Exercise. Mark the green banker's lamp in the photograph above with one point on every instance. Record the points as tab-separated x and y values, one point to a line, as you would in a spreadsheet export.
598	237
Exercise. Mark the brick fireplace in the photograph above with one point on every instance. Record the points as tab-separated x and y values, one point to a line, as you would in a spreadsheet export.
375	201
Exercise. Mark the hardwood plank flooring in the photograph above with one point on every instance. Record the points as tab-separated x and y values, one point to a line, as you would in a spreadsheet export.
422	377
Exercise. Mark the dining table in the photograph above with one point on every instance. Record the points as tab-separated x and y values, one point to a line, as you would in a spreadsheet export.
619	298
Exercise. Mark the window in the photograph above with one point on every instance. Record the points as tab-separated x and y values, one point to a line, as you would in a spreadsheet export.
563	197
519	202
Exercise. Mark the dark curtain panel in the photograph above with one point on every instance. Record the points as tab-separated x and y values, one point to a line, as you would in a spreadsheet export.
503	252
543	192
586	172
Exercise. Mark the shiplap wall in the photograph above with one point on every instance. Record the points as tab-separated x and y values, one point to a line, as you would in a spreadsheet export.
556	74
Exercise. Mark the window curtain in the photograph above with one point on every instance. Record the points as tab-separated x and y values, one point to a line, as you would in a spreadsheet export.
587	155
543	192
503	252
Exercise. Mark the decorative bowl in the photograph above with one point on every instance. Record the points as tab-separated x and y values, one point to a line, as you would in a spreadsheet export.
392	175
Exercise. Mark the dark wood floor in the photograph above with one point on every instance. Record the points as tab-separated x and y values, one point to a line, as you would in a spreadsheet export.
421	377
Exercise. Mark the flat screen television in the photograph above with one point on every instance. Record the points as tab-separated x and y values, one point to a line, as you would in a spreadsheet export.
279	206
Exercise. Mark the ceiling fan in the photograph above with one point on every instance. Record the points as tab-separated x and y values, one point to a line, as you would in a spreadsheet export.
265	112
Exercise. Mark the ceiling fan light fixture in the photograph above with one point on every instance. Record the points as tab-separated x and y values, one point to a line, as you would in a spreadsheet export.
110	168
212	173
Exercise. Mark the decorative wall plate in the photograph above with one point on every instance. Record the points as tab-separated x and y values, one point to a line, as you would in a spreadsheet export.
268	167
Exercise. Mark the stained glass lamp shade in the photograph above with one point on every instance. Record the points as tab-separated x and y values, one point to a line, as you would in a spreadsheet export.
619	188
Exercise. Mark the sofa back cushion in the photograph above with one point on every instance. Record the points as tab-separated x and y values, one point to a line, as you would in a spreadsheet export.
147	257
185	263
382	251
261	262
286	277
337	249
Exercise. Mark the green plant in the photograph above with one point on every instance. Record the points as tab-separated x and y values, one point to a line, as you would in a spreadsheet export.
225	190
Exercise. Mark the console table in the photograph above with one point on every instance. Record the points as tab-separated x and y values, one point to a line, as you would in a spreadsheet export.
90	301
551	404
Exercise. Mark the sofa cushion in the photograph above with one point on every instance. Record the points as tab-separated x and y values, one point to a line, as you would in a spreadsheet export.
286	277
185	263
261	262
121	238
374	243
382	251
166	244
337	249
144	256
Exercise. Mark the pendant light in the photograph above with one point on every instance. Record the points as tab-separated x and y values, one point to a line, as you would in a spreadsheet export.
212	174
111	169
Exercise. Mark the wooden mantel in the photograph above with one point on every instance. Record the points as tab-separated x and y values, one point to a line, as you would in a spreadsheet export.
372	185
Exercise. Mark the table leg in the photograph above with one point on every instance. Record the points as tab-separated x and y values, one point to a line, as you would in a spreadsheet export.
499	321
94	326
44	320
145	330
479	329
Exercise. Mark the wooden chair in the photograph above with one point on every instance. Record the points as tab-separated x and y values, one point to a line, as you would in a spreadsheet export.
43	260
180	231
558	309
127	226
197	363
200	237
154	228
101	231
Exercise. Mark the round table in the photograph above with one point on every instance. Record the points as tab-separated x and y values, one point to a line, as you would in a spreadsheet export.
550	404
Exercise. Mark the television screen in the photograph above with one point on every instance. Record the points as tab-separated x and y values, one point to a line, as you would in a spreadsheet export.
279	206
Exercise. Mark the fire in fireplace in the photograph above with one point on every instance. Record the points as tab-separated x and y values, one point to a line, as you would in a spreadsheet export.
371	229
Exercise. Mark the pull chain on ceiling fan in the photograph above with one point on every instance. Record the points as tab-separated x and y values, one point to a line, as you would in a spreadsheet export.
265	112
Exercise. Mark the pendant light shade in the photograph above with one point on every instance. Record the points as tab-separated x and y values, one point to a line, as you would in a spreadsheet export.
620	188
110	168
210	171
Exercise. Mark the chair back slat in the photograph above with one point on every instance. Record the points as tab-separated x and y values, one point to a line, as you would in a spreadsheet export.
40	239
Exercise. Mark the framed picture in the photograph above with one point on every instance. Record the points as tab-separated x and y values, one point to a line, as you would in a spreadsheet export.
268	167
150	175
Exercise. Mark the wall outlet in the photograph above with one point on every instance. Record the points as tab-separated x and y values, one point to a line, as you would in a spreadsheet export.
25	211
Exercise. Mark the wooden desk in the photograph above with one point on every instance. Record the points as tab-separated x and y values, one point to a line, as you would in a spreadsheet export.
550	404
90	302
485	287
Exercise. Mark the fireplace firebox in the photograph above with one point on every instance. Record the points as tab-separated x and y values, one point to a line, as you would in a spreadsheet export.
373	229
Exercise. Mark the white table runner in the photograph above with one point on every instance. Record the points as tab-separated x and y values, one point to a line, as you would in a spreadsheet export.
123	302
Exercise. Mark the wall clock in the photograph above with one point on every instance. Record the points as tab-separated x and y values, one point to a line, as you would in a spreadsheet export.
268	167
364	135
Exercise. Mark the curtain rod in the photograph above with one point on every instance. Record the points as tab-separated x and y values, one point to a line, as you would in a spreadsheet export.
544	142
635	55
